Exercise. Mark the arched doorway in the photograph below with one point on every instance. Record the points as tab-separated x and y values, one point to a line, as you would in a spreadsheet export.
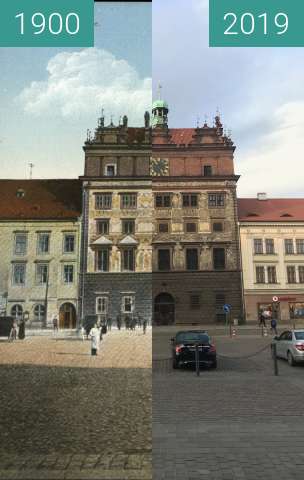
164	309
67	316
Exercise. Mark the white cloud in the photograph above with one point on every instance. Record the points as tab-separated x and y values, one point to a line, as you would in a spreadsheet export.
275	163
81	83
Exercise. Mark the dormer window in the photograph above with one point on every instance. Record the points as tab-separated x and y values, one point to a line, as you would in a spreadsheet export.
110	170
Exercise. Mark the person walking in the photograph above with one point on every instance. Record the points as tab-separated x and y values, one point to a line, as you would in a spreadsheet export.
55	324
21	330
13	332
118	322
95	339
273	325
262	320
144	324
109	323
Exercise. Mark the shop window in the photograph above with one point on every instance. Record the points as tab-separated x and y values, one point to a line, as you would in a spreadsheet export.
296	310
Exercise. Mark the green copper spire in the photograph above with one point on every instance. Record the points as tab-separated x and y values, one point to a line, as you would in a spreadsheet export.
159	111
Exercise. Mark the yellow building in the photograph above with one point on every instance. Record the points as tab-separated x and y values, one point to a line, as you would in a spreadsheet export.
272	248
40	250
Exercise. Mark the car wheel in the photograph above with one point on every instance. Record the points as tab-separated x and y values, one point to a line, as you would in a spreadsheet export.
213	364
290	359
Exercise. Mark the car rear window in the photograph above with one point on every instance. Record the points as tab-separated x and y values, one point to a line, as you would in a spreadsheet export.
299	335
192	337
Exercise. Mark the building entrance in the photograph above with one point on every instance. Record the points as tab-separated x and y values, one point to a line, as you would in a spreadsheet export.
67	316
164	309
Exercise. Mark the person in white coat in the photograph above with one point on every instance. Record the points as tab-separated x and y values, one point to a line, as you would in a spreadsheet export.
95	339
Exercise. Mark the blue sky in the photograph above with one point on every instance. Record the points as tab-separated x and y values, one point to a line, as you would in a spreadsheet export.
50	96
259	93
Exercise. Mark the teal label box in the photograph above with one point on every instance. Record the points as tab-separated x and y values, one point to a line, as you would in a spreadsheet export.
256	23
47	23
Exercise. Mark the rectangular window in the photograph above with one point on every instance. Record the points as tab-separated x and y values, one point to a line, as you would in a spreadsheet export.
217	226
219	258
101	305
289	250
43	243
163	200
258	246
207	170
110	170
216	199
128	304
164	262
191	227
41	273
260	274
220	300
103	201
20	244
19	273
191	259
291	274
69	243
128	227
195	301
190	200
102	260
68	273
102	226
300	246
128	200
163	227
128	260
301	274
269	244
272	274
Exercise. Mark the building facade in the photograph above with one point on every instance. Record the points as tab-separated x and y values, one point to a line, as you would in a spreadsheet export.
40	241
196	258
272	245
116	263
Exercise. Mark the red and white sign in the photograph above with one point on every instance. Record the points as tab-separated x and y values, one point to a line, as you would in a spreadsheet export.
275	299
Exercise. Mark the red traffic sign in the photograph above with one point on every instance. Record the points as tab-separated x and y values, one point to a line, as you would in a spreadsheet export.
275	299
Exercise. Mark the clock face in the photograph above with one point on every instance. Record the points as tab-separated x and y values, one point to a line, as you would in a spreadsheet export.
159	167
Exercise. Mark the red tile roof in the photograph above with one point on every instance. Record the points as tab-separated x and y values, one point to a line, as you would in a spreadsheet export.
42	199
181	135
271	210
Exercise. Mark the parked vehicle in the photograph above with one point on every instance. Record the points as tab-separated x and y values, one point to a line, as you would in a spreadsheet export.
184	347
290	345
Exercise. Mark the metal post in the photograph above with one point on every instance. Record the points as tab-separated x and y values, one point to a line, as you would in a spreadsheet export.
197	360
275	359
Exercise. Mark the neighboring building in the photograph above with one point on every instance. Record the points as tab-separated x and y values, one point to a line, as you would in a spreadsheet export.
196	260
39	243
272	245
117	222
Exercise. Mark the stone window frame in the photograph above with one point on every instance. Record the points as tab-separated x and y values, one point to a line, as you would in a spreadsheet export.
301	273
105	221
40	307
162	195
24	252
39	275
103	200
64	249
64	266
218	222
188	200
110	165
124	222
163	222
269	246
288	242
131	204
41	245
300	246
123	251
105	301
97	253
274	279
219	197
213	258
16	265
16	307
259	275
257	243
131	297
204	170
194	248
167	248
195	300
291	274
189	221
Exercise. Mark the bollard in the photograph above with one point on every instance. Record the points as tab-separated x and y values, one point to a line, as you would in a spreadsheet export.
197	367
275	359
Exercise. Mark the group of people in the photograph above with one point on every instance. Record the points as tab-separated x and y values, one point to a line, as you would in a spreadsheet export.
266	315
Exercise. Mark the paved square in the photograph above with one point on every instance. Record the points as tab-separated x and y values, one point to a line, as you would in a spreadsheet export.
65	414
239	422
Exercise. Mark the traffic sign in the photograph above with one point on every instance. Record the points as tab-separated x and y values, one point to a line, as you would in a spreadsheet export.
275	299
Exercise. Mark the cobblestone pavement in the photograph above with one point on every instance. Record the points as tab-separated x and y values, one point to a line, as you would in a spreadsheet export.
239	422
66	415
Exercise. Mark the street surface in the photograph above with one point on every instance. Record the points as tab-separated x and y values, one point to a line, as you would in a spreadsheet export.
239	422
67	415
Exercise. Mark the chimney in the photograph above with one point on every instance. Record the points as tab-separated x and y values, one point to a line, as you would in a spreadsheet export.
262	196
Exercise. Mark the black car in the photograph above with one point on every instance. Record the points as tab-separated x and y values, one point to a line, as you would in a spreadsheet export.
184	346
